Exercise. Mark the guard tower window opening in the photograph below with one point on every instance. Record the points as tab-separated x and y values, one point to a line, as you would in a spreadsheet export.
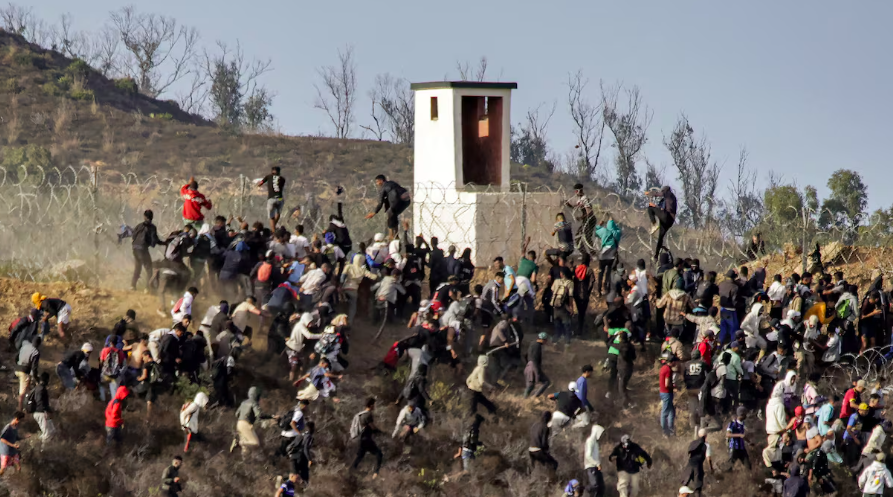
433	108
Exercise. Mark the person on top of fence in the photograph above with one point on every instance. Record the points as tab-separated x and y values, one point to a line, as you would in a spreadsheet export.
662	214
394	198
275	186
193	201
584	214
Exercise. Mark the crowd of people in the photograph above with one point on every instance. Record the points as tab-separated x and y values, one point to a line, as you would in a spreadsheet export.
746	346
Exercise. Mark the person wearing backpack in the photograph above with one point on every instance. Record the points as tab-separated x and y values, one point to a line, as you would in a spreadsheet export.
112	363
151	382
562	290
183	307
334	342
363	429
26	328
266	275
26	366
292	425
189	416
37	403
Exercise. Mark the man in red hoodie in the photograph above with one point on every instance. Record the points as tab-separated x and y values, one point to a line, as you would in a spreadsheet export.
113	421
193	201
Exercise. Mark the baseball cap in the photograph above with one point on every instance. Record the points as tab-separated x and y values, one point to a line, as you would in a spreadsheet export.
861	384
863	406
542	336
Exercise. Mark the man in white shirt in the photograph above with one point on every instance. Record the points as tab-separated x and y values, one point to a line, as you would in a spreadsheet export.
299	242
243	312
311	282
183	307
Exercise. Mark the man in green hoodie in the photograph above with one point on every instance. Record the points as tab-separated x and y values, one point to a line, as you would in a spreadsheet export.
609	234
248	413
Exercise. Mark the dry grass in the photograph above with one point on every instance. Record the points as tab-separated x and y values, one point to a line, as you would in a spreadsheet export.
12	124
62	118
108	140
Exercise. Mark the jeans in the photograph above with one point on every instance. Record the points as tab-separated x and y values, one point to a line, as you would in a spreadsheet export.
562	325
728	325
596	486
66	375
667	414
351	296
604	275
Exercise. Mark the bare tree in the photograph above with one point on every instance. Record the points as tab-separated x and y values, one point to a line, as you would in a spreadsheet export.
589	128
530	143
106	56
159	52
629	128
71	43
193	98
697	172
744	208
469	73
17	19
378	128
338	92
654	176
393	112
233	79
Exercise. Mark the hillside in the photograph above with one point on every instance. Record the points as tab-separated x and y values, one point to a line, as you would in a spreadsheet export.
76	114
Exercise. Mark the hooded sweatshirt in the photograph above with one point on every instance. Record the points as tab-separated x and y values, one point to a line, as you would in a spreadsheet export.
875	478
776	418
477	379
249	410
301	331
591	454
355	272
115	407
610	236
189	412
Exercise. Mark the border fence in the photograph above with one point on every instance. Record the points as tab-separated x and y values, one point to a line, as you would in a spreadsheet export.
62	224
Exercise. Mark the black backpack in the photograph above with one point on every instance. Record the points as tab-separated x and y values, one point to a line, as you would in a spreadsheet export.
31	401
285	420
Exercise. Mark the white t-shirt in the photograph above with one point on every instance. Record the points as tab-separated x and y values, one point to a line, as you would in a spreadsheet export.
301	245
296	418
242	314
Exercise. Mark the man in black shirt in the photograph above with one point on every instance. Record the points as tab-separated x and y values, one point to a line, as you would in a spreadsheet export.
662	216
533	373
74	366
145	236
275	186
394	198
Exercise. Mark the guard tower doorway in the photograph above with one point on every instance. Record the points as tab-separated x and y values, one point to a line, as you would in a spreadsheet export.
482	140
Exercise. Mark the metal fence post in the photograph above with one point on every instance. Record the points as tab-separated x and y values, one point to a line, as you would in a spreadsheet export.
523	187
94	188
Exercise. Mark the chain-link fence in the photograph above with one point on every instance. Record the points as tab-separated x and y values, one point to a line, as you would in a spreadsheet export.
63	224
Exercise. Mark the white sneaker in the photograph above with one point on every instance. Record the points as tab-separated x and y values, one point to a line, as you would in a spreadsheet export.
607	395
655	227
278	482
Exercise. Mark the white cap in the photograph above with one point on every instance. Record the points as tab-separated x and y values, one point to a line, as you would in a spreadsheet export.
87	347
572	386
379	237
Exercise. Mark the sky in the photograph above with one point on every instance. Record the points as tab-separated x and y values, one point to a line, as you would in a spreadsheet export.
804	85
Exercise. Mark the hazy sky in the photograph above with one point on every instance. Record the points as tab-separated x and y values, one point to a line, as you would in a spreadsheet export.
803	84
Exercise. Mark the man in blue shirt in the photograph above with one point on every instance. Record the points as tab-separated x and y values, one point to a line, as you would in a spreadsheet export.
735	434
582	390
287	489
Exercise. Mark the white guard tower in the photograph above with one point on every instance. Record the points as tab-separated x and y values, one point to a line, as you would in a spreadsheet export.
462	167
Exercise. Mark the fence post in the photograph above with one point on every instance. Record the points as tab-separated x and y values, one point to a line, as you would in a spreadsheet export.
94	188
241	196
523	187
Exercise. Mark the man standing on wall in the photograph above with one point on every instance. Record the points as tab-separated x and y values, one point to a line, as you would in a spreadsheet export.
275	186
394	198
662	215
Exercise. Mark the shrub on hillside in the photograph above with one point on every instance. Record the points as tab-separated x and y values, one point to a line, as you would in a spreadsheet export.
127	85
26	162
11	85
23	59
81	94
51	89
77	68
65	82
162	116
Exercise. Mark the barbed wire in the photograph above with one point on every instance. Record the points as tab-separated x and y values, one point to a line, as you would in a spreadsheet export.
62	224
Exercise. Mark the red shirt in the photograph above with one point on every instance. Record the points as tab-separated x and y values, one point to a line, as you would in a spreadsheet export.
845	410
193	202
114	408
706	350
666	377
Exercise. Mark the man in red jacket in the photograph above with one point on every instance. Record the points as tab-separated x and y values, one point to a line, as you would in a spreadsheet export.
113	421
193	201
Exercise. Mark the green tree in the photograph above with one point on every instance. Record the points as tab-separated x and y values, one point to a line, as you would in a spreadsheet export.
845	206
783	203
28	163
